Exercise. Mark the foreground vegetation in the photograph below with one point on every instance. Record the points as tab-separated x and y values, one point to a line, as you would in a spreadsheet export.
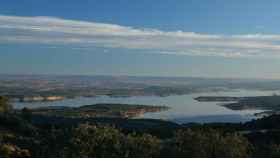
22	137
90	141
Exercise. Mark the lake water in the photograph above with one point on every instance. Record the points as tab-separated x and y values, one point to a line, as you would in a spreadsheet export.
183	108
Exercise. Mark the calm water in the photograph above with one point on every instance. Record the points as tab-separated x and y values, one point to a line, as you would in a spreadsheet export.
183	107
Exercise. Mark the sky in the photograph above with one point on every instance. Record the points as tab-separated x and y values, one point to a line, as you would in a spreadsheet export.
207	38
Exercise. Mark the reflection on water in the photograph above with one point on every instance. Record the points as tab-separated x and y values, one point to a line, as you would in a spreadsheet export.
183	107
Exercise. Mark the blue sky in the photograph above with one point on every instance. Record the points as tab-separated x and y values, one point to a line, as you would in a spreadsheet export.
210	38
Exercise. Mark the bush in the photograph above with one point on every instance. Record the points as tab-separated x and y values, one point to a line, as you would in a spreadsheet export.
12	151
209	144
5	106
106	142
143	146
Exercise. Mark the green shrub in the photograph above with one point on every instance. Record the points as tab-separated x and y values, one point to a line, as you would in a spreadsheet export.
5	105
209	144
106	142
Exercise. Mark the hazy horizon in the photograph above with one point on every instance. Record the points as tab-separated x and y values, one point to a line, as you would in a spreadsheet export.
140	76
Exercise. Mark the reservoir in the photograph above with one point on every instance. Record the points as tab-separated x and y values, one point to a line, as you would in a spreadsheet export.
183	108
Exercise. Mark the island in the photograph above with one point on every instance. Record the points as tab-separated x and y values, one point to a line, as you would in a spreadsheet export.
217	98
270	104
259	102
99	110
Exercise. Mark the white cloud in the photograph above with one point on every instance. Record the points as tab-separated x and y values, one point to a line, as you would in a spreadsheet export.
50	30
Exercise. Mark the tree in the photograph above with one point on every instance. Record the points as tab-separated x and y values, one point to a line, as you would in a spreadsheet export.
5	106
142	146
209	144
90	141
274	151
12	151
26	113
95	142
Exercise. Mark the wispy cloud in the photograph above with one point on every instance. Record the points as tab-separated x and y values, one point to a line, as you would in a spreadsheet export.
50	30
